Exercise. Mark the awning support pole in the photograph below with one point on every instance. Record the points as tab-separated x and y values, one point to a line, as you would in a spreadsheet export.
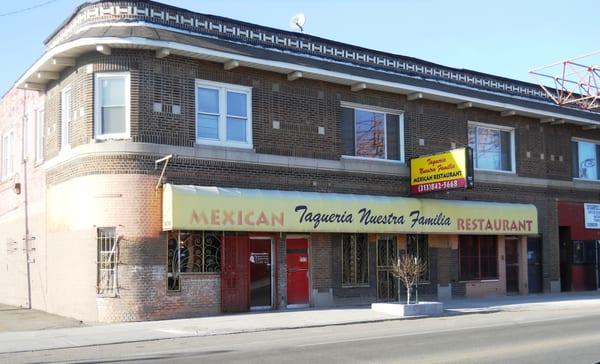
156	162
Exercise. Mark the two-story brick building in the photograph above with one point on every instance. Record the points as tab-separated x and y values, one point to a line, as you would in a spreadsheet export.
180	164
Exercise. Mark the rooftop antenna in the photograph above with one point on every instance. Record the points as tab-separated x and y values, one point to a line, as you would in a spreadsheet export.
297	22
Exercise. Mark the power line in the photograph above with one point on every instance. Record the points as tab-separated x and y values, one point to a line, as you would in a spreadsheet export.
27	9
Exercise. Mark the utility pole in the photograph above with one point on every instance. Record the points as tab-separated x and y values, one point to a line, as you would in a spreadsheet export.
26	201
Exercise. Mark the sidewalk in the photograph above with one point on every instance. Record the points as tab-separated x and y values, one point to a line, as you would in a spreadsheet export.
536	306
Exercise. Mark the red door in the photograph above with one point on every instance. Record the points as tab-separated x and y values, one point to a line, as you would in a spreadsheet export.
234	274
297	271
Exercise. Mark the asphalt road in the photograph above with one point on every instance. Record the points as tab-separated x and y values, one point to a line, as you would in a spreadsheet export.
564	340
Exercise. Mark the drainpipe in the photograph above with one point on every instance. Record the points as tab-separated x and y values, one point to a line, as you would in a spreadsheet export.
26	201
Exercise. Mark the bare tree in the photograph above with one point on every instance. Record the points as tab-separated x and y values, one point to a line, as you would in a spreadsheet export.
408	269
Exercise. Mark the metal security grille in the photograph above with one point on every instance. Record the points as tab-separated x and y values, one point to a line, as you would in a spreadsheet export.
107	261
387	255
355	260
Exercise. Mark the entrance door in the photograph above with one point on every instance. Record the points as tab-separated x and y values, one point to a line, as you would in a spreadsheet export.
260	258
297	271
512	265
566	258
534	264
234	274
387	253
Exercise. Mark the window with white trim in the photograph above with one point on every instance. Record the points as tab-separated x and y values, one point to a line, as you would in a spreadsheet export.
39	135
584	158
66	115
372	133
112	105
223	114
493	147
8	155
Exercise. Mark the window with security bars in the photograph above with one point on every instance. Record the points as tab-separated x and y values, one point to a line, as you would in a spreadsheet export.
192	252
355	260
107	261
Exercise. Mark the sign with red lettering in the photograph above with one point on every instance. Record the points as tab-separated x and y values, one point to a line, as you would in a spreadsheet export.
443	171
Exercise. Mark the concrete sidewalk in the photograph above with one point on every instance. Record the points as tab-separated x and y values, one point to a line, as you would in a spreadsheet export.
535	306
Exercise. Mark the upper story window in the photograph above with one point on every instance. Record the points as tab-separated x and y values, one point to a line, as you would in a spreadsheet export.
8	156
39	135
584	157
112	105
66	114
223	114
493	147
373	133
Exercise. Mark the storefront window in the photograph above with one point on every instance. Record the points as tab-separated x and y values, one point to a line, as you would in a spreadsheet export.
478	257
355	260
416	246
193	252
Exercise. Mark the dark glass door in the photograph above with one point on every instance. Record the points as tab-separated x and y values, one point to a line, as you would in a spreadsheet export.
534	264
260	273
512	265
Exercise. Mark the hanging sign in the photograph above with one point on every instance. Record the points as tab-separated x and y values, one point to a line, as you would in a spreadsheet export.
442	171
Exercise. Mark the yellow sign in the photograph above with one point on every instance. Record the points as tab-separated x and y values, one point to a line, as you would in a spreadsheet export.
441	171
234	209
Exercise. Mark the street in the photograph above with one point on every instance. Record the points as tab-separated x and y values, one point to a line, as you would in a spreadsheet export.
497	337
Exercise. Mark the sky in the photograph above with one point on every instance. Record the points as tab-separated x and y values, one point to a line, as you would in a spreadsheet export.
504	37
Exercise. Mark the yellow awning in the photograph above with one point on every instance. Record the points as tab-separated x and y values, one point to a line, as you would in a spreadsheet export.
236	209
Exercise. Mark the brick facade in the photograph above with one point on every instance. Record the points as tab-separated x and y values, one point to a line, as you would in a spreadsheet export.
88	187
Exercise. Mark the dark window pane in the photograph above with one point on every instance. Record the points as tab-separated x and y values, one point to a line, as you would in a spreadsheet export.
575	159
347	131
506	151
393	136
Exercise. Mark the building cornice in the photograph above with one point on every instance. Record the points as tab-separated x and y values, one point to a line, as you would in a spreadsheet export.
299	44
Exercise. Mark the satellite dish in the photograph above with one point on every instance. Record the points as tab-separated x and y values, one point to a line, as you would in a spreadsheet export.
297	21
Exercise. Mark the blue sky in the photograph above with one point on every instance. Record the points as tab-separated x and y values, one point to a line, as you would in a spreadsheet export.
506	38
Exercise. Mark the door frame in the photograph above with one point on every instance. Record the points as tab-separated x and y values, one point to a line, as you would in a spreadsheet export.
309	247
273	270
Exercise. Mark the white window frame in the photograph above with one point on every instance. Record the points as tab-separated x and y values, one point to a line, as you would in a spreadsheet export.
40	125
98	105
385	111
597	143
513	153
222	88
7	138
66	117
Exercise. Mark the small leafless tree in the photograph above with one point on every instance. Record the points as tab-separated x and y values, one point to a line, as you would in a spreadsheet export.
408	269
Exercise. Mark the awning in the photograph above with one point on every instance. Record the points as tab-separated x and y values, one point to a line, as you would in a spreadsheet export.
236	209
